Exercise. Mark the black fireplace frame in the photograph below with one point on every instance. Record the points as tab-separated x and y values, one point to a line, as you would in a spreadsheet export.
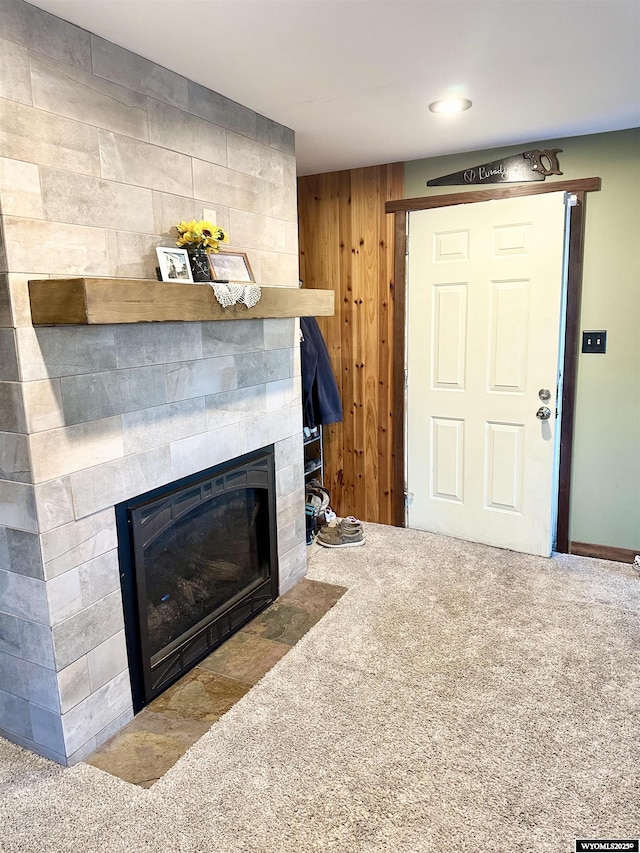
147	680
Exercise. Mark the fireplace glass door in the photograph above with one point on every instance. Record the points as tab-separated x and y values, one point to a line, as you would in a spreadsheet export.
202	562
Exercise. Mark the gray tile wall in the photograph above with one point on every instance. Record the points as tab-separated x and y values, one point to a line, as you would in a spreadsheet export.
101	153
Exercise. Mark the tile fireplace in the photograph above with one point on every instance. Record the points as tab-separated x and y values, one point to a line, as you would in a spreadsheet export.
102	152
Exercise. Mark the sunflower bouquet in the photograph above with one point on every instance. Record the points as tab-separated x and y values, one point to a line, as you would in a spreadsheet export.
201	235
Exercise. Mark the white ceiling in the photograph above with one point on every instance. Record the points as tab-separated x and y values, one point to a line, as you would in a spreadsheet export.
354	78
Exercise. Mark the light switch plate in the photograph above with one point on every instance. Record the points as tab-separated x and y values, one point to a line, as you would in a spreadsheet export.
594	341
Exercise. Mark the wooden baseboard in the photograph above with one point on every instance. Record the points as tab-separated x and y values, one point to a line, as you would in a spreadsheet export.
603	552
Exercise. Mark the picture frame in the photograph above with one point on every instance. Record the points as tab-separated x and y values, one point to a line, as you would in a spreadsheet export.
230	265
174	264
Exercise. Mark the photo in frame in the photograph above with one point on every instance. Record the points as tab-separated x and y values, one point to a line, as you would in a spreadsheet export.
174	264
230	266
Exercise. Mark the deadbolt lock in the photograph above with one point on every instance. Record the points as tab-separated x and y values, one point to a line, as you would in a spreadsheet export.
544	394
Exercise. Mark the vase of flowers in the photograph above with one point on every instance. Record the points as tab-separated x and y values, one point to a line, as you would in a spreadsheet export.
200	238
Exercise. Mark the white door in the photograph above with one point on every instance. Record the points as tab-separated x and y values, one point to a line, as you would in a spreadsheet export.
485	294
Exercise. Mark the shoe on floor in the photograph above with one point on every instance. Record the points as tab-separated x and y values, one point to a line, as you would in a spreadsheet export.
350	524
339	537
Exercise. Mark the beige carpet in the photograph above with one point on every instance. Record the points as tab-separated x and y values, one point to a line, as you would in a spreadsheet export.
456	698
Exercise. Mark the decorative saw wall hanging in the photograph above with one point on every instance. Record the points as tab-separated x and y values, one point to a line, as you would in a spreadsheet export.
532	165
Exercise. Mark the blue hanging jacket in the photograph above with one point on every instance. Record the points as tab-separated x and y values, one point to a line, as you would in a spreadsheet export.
321	402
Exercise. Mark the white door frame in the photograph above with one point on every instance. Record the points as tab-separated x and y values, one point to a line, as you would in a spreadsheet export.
400	209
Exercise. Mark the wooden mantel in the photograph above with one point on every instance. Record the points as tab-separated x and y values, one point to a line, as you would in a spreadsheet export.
98	301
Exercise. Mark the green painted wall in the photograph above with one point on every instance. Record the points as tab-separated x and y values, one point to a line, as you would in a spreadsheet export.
605	493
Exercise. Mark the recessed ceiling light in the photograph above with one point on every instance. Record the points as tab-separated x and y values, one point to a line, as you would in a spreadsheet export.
450	105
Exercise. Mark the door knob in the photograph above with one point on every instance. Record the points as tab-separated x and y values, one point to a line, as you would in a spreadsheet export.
543	413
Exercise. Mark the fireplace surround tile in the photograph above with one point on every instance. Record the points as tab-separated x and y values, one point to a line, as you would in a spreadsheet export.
80	587
293	567
222	111
56	351
131	161
24	597
8	360
40	31
20	552
270	428
140	344
73	544
18	294
232	337
130	255
187	379
16	719
290	533
54	503
169	209
43	405
48	139
6	318
105	485
14	457
274	267
21	182
84	97
276	136
74	684
37	684
283	393
107	660
205	450
289	507
46	728
290	478
173	128
253	158
288	452
26	638
281	334
17	506
159	425
15	82
70	249
62	451
108	204
92	396
238	190
114	63
87	629
233	407
253	229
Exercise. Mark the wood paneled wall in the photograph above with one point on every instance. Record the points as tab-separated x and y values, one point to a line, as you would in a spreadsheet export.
347	245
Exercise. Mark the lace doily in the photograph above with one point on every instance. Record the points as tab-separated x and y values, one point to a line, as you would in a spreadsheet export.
231	294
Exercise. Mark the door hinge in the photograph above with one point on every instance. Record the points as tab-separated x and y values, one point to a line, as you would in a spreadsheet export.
406	379
408	498
572	200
